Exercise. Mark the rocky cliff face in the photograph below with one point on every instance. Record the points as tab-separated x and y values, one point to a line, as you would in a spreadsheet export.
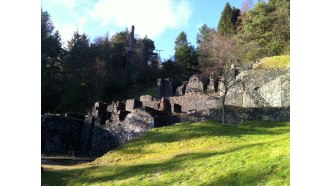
261	88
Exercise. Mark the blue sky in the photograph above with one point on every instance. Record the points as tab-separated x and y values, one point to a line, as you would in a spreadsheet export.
160	20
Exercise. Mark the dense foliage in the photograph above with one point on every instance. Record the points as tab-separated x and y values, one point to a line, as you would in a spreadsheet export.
84	72
268	25
52	56
185	53
228	20
265	28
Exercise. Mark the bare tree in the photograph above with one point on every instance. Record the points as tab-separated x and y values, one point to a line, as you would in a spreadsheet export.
223	54
246	6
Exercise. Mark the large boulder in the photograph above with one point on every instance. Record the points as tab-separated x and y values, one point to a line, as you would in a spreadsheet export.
132	104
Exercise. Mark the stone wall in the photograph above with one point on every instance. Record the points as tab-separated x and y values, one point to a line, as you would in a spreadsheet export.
105	128
194	102
237	115
60	134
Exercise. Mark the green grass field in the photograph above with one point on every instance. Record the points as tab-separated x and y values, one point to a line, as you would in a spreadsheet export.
255	153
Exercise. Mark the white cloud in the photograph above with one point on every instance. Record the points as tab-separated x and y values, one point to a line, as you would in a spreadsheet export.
149	17
67	3
66	32
82	21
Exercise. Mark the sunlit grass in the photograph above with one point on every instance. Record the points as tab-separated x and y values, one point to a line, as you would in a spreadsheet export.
256	153
274	62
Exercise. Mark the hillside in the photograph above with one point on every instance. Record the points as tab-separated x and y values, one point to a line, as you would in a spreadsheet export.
255	153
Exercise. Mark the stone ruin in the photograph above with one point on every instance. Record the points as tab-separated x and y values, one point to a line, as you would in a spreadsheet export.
254	88
259	94
164	88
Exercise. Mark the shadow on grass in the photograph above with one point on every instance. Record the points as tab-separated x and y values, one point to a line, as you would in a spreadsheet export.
119	172
61	177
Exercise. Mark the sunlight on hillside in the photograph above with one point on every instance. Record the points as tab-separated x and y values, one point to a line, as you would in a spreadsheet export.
274	62
256	153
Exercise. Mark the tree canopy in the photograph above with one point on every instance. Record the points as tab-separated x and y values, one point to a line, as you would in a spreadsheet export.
185	53
228	19
87	71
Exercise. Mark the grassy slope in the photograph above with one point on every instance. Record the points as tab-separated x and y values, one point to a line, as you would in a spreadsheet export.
255	153
274	62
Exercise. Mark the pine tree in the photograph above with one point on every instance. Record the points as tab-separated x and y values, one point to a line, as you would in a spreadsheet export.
51	64
202	34
227	23
185	54
225	26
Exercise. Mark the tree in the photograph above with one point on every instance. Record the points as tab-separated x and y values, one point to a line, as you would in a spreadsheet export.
185	53
52	56
223	53
228	19
235	13
145	55
246	6
78	82
203	33
268	25
101	52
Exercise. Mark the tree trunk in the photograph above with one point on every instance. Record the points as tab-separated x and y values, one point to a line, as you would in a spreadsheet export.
223	111
223	100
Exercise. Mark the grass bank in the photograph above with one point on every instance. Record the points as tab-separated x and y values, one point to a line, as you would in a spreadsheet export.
274	62
255	153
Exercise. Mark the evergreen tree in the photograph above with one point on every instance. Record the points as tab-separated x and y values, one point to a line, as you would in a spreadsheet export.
78	75
225	26
235	13
203	34
228	19
185	54
268	25
52	56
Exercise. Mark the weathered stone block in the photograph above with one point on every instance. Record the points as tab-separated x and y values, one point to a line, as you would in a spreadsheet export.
211	86
118	105
195	85
165	105
145	98
181	90
132	104
110	107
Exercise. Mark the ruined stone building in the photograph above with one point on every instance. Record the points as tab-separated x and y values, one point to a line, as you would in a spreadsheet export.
259	94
